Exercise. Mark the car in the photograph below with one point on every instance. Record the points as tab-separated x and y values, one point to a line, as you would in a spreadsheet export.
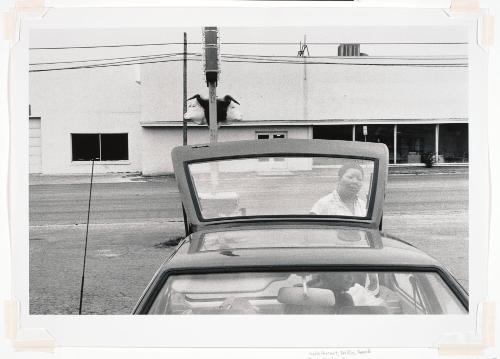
291	226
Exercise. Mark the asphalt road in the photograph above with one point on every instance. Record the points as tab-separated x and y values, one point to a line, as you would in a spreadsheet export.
131	221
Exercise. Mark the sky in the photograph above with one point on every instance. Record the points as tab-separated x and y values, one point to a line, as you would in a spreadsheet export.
294	35
357	91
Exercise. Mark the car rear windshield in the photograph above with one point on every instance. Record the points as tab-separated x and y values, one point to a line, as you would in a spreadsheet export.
283	186
286	238
326	292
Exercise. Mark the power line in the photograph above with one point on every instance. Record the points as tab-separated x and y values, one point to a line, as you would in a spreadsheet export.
122	63
254	61
110	58
338	43
415	57
300	61
251	56
110	46
244	43
349	64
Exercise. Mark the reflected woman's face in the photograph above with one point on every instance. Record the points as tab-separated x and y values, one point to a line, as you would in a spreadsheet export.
351	181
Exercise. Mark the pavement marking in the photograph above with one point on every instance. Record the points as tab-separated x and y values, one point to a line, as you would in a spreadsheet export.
165	221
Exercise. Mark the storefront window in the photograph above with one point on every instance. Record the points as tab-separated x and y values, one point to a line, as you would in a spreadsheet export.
333	132
453	143
413	141
379	134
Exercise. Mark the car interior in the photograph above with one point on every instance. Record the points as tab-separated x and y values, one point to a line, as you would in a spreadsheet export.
338	293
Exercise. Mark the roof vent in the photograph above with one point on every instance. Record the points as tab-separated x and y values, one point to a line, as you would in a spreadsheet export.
350	50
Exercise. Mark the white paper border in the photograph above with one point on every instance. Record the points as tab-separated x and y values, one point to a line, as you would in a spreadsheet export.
262	331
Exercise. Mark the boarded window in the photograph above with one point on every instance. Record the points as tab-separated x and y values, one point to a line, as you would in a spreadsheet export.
100	147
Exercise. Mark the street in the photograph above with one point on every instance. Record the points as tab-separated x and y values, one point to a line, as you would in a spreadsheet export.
131	222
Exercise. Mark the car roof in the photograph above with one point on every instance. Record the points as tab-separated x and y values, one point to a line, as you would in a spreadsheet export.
381	251
184	155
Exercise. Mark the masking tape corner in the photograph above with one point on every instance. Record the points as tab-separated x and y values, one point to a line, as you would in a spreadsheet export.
11	16
461	349
29	4
41	345
488	38
464	5
10	20
29	339
489	308
11	315
478	347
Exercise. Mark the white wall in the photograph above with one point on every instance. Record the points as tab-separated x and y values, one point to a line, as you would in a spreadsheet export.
35	152
158	142
275	91
56	152
86	101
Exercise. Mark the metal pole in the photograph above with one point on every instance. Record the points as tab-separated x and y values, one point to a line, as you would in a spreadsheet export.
212	111
395	141
86	239
436	148
304	84
184	103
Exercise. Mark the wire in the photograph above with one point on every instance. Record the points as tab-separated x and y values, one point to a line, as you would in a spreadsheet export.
244	43
131	61
251	56
451	57
111	46
350	64
86	240
109	65
111	58
339	43
255	61
301	61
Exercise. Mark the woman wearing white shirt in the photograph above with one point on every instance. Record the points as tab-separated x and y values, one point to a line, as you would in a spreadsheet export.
344	200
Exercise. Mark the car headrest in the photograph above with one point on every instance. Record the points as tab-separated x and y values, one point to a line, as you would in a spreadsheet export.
317	297
364	309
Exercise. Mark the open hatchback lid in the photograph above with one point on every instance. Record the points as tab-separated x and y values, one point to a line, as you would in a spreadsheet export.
282	180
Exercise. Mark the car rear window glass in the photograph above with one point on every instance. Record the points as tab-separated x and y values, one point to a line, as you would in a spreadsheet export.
281	238
283	186
306	292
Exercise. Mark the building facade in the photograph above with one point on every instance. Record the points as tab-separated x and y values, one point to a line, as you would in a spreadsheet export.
128	118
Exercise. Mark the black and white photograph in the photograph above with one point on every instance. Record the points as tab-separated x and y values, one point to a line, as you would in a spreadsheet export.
326	168
331	178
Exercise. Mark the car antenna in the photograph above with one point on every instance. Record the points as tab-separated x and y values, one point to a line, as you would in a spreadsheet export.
86	239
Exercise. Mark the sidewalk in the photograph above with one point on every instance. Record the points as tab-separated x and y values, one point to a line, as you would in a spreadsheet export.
436	170
40	179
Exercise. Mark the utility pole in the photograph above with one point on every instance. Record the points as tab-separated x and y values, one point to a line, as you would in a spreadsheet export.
212	112
212	69
302	49
211	37
305	87
184	102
